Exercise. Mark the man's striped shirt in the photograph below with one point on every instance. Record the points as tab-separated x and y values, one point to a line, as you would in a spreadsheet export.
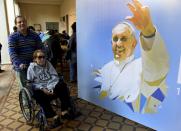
21	48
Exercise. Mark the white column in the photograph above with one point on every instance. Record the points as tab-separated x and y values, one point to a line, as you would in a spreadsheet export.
4	33
16	9
11	14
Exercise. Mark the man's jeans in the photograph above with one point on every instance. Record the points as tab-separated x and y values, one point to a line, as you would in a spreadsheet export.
73	71
21	77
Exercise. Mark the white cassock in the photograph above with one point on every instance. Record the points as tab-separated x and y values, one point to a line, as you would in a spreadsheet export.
141	78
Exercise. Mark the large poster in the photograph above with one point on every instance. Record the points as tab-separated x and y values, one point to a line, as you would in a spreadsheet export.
129	59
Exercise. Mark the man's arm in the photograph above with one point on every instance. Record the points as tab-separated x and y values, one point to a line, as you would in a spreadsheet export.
13	51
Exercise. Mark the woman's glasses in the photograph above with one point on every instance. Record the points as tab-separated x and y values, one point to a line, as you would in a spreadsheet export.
41	57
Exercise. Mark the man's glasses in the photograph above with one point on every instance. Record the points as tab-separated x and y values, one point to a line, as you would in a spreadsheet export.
41	57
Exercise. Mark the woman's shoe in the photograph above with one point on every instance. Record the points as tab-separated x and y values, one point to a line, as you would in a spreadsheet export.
55	123
70	116
66	116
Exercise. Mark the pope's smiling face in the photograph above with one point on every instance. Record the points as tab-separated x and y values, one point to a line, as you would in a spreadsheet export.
123	42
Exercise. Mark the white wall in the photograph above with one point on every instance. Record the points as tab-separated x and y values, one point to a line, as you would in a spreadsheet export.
68	7
4	34
39	14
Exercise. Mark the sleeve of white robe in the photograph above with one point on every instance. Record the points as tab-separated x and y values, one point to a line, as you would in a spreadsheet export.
155	60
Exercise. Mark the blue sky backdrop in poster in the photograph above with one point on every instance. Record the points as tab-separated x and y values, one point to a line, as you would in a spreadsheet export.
95	21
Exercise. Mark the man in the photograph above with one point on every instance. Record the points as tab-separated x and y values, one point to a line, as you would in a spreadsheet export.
71	54
22	44
64	38
140	83
53	43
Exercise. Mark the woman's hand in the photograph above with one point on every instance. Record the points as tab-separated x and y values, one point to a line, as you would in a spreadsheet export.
46	91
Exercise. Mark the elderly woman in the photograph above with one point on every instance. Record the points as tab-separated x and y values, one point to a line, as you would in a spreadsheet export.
46	84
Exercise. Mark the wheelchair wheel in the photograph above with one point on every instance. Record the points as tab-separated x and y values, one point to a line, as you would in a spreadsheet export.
26	105
42	123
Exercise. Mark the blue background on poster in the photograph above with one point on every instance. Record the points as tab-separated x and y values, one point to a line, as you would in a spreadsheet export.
95	20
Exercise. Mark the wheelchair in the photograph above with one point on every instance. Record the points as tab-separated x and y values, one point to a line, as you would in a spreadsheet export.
31	110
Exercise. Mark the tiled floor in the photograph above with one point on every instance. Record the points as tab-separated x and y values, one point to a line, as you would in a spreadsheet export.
93	118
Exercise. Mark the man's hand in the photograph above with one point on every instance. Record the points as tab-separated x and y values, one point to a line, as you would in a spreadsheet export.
46	91
141	18
22	66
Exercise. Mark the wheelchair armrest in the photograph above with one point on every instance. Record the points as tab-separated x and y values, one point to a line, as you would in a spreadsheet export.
29	83
29	86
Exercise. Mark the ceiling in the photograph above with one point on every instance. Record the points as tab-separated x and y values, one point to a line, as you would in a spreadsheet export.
52	2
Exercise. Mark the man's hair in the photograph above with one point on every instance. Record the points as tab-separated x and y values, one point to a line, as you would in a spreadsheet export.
63	31
51	32
31	28
121	26
74	27
19	16
14	28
